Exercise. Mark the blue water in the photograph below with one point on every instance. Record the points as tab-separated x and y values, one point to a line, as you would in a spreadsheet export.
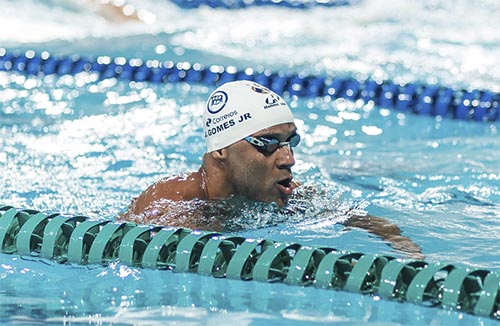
87	146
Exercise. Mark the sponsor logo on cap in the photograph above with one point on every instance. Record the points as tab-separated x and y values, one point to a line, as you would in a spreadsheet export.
259	89
272	99
217	102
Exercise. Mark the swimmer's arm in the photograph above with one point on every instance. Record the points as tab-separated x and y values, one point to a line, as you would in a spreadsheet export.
387	231
378	226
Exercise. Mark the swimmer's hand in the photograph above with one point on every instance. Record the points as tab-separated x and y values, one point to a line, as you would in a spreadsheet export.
388	232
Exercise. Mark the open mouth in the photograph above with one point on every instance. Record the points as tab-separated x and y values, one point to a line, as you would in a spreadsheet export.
285	182
285	186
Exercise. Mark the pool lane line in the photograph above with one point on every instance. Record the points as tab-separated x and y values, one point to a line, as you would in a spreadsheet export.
417	98
241	4
68	239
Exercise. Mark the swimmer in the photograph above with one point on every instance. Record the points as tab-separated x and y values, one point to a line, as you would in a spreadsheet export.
250	136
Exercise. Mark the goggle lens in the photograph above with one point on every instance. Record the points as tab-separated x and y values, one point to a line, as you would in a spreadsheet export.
270	145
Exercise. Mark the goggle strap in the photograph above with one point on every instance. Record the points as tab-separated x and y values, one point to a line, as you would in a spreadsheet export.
255	141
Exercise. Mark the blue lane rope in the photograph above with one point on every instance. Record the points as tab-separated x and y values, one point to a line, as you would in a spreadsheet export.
78	240
237	4
417	98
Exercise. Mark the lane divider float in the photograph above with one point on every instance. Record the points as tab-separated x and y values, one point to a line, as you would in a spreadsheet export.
79	240
417	98
240	4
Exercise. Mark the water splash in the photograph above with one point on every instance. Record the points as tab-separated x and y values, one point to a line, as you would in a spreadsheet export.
307	206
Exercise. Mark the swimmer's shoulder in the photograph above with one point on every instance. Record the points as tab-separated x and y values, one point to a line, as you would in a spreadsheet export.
180	187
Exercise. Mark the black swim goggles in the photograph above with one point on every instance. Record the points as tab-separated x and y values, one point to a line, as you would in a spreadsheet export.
269	145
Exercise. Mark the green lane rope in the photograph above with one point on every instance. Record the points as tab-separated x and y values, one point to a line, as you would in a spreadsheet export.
80	240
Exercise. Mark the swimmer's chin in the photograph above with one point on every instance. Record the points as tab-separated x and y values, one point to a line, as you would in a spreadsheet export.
280	202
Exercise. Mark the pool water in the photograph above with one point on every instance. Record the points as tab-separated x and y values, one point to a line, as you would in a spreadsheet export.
81	145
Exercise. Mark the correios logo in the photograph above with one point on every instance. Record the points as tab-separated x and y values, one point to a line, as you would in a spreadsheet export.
217	101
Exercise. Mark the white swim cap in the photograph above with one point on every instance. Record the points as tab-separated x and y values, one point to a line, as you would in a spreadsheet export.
238	109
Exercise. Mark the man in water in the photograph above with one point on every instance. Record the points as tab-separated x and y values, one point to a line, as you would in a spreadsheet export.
250	135
249	132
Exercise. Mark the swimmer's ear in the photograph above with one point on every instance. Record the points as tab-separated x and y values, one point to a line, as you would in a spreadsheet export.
220	154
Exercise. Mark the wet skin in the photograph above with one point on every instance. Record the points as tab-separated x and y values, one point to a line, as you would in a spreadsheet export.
260	176
237	170
240	170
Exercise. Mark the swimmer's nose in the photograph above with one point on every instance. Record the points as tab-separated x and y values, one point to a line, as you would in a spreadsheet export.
285	156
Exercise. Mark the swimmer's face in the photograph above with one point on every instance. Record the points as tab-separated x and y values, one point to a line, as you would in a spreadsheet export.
259	175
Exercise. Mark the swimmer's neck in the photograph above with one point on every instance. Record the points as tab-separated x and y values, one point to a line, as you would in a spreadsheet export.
214	182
